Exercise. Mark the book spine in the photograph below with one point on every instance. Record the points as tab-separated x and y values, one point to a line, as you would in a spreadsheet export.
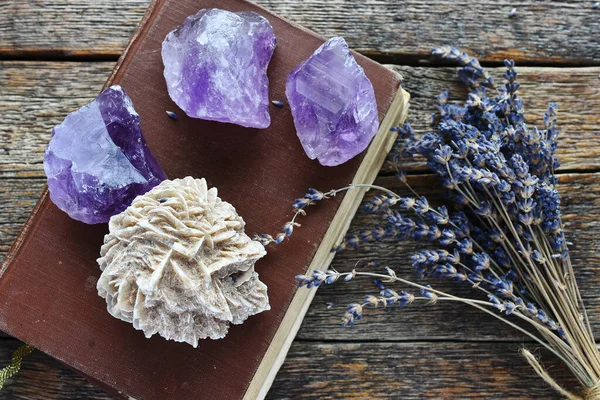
276	352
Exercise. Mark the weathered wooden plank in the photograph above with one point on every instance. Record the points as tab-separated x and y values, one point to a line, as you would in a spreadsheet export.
407	370
43	378
575	90
37	95
17	198
440	322
345	370
33	102
412	371
68	28
560	32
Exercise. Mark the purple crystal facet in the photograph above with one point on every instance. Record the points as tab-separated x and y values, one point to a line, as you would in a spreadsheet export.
97	160
216	66
333	104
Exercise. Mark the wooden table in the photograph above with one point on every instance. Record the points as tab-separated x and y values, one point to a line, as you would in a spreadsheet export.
56	54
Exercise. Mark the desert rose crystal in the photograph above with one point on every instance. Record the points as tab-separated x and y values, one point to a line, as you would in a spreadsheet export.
178	263
97	160
216	66
333	104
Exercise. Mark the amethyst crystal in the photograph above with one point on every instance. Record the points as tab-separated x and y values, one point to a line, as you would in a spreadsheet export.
333	104
97	160
216	66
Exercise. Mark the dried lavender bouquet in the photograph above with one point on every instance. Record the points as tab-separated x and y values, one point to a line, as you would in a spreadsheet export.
501	232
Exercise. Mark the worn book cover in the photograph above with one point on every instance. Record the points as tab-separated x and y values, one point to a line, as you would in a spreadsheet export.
48	295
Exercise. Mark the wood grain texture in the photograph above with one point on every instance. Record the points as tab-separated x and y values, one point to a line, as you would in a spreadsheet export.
32	103
68	28
411	371
43	378
575	90
317	370
18	197
388	356
559	32
418	322
62	313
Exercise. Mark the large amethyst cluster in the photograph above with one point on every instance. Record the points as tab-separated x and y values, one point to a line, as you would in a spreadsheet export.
216	66
97	161
333	104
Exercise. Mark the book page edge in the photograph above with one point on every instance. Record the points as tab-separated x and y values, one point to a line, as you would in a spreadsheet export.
290	324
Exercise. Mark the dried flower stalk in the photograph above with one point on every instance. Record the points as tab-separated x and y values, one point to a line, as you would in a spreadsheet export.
501	231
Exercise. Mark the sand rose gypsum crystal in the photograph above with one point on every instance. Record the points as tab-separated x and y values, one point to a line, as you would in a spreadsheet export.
178	263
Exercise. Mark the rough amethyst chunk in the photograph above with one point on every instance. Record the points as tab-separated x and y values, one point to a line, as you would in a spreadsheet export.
333	104
216	66
97	160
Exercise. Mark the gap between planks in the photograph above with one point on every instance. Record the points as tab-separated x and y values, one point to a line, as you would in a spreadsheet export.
5	339
400	60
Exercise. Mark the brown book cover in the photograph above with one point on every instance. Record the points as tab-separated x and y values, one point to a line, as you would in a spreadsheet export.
48	295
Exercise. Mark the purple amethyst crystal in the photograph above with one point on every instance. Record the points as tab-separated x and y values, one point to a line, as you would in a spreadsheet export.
97	160
216	66
333	104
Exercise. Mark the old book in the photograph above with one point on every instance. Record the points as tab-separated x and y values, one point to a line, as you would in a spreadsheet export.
48	291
